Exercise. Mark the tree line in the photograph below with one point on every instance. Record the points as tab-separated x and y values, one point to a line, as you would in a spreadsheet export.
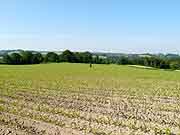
29	57
153	61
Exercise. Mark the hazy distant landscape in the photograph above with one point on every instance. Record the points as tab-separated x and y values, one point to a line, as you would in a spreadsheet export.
22	57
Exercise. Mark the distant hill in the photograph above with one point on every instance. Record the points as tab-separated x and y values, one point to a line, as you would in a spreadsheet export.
102	54
3	52
172	56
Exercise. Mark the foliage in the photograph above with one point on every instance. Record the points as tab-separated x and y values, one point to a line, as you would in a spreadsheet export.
68	56
28	57
51	57
37	58
175	65
24	57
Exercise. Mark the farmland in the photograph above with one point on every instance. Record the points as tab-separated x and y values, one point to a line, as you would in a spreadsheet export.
53	99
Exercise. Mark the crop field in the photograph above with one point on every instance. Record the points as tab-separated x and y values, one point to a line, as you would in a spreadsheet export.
66	99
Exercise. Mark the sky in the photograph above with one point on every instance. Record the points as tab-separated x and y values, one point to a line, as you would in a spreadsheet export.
128	26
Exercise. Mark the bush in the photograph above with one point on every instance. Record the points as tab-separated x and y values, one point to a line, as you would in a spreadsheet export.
175	65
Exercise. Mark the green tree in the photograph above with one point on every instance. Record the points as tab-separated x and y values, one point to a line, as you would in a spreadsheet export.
68	56
27	57
164	64
51	57
86	57
37	58
175	65
7	59
16	59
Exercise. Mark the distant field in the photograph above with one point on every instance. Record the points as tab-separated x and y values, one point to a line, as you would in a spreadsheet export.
139	66
102	100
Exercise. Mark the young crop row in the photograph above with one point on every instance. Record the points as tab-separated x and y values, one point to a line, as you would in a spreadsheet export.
101	116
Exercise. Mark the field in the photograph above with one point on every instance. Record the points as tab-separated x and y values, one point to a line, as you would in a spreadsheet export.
65	99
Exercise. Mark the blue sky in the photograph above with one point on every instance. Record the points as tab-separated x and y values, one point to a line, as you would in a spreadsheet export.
133	26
